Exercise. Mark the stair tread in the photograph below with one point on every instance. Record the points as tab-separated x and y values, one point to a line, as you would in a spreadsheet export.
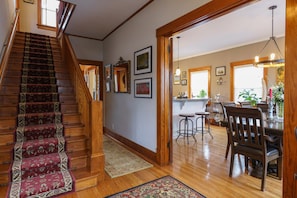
4	168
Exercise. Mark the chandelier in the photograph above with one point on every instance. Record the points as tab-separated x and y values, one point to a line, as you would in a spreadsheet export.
275	58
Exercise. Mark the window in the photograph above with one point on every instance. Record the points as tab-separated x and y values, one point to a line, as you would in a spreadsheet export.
199	81
47	14
247	77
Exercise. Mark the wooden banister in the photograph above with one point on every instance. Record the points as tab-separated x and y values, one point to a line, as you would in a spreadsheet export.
8	47
91	111
63	16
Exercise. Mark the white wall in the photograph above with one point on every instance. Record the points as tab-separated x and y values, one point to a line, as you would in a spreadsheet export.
88	49
135	118
224	58
28	19
7	16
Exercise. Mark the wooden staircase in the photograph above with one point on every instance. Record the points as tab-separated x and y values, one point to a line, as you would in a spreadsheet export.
78	142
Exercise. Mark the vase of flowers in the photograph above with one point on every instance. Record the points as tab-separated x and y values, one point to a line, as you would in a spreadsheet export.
278	98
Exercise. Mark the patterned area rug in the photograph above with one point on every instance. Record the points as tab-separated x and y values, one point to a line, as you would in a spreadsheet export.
119	161
164	187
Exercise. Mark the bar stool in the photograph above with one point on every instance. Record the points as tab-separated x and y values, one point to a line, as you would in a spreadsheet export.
186	121
204	116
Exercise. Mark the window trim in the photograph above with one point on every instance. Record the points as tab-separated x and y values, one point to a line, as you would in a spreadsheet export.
238	64
208	68
39	24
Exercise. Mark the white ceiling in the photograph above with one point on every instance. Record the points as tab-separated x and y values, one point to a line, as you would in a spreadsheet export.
97	18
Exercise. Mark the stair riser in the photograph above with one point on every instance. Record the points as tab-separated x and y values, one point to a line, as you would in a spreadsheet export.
6	139
15	90
8	111
71	119
74	131
77	146
68	108
4	179
8	123
78	163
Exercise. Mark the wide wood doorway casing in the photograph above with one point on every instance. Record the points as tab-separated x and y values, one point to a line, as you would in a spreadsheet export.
197	17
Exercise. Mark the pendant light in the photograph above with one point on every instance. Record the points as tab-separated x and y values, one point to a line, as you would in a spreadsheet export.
275	58
177	71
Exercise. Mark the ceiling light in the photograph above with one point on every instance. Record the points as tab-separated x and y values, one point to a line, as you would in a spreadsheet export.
177	71
275	59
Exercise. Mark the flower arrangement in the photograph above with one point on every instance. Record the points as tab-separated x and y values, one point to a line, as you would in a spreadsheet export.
278	93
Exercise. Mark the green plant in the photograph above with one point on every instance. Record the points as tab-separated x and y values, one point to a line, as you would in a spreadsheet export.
249	95
202	93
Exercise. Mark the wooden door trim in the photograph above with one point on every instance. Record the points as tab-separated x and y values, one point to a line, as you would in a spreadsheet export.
201	15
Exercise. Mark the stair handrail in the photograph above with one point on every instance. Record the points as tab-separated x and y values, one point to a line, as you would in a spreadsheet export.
6	49
64	13
91	110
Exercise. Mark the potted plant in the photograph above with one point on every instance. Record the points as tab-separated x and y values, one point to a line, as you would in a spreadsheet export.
249	95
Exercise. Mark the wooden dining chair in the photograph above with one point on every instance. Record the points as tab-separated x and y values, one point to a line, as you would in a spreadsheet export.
224	123
248	138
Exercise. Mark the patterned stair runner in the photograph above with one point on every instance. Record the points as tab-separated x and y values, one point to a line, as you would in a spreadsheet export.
41	165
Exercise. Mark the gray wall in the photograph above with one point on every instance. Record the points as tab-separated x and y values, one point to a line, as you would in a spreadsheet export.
7	15
135	118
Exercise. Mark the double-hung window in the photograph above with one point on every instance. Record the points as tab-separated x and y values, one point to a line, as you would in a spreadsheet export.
47	14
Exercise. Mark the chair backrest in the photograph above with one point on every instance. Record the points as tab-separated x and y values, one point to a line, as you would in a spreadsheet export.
224	104
246	127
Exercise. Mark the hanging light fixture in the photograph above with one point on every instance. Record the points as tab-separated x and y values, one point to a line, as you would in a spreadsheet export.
177	71
275	58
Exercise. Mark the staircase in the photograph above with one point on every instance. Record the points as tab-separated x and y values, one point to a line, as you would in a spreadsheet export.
76	142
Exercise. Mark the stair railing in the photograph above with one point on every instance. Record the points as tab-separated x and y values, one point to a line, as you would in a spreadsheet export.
63	16
5	52
91	110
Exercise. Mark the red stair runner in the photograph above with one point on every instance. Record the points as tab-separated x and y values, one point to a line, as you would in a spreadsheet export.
41	165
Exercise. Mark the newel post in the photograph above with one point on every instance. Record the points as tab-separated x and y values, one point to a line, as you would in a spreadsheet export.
97	159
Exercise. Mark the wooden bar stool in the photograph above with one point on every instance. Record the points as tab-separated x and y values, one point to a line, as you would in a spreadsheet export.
186	121
204	116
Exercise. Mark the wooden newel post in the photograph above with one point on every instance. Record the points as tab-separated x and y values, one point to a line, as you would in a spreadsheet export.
97	159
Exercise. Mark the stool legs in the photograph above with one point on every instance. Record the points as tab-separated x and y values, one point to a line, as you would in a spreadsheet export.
202	117
185	130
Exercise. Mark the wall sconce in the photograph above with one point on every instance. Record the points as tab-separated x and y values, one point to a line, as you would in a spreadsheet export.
220	81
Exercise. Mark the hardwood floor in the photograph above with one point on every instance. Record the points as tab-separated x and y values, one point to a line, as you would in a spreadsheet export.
200	165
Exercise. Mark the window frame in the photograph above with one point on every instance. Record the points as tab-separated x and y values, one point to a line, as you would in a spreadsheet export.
39	20
233	65
198	69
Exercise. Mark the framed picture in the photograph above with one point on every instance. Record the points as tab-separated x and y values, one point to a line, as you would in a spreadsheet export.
143	88
183	82
221	71
143	61
107	86
176	80
108	71
184	74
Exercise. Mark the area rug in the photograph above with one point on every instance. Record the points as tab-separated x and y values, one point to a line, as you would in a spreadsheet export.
120	161
163	187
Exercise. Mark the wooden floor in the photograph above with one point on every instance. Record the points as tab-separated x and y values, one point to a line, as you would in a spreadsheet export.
200	165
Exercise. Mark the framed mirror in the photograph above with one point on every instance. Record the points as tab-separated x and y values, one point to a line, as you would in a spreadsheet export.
121	76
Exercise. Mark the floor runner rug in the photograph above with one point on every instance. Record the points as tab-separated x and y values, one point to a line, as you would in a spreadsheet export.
163	187
120	161
40	166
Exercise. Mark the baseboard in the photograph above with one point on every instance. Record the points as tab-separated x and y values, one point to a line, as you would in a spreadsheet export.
132	145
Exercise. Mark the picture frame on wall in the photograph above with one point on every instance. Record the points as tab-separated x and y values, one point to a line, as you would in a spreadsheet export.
183	82
143	61
221	71
184	74
143	88
108	71
176	80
